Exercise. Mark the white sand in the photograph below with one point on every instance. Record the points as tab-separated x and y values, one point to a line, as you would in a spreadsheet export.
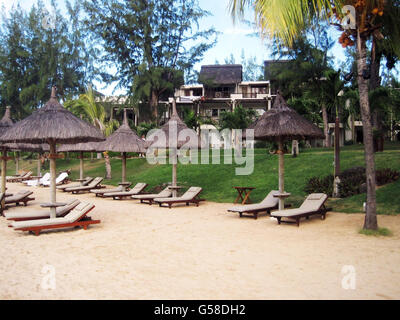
146	252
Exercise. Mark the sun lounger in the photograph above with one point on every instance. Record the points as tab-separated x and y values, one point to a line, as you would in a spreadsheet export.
149	198
190	196
119	195
76	218
17	176
75	184
314	204
26	176
38	181
42	214
20	197
95	184
270	202
101	192
59	180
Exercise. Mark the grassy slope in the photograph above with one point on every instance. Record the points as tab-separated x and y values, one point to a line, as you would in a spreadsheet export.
218	180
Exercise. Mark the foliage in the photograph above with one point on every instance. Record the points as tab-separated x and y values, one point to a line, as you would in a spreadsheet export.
93	111
351	181
320	185
144	128
33	58
240	118
151	43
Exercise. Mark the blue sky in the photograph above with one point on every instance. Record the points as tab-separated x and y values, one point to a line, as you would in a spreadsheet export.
233	38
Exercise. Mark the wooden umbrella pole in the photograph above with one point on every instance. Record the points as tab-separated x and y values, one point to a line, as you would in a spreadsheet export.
174	182
3	176
123	166
17	163
281	174
53	156
81	165
39	165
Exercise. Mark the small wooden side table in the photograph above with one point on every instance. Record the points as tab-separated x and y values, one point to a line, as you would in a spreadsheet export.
243	194
174	190
53	205
125	185
282	197
81	181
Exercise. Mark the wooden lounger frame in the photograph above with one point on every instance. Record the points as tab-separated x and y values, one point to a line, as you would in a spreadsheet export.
20	179
82	222
195	200
322	211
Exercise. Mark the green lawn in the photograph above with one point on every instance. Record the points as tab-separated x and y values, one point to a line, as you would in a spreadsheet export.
218	180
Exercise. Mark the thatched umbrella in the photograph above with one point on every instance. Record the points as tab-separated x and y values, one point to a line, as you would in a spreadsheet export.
52	124
280	124
81	148
173	142
5	124
124	140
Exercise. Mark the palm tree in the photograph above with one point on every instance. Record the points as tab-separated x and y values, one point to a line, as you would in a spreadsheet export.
87	105
285	20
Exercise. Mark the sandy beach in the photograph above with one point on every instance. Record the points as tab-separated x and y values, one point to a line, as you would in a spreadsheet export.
146	252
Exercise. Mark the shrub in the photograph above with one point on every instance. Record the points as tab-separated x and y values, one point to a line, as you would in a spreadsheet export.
320	185
351	181
385	176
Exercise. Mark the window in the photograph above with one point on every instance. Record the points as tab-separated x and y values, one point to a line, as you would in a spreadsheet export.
214	112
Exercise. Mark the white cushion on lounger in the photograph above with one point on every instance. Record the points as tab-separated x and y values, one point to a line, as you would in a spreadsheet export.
308	206
136	189
163	194
38	223
188	195
269	202
71	217
45	213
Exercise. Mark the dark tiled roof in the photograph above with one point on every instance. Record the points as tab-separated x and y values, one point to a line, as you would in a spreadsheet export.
221	74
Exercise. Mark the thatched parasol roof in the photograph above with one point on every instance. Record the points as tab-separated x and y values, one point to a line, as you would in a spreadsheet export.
282	122
174	126
81	147
30	147
124	139
52	122
5	123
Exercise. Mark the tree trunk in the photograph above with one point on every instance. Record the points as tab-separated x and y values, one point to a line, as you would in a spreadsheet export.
108	165
154	106
337	147
375	83
327	142
3	177
370	217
